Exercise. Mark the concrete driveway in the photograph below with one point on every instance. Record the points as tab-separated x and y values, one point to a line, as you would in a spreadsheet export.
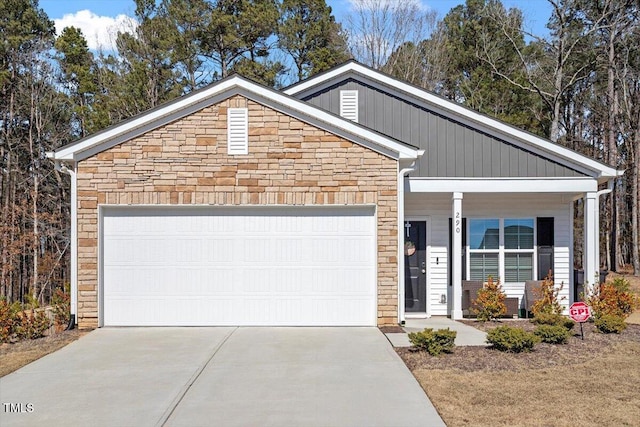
219	376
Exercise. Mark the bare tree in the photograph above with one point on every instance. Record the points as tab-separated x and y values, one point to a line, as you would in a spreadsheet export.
377	28
550	65
628	77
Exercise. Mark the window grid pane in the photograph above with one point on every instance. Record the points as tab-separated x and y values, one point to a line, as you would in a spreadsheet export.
518	267
483	265
484	233
518	233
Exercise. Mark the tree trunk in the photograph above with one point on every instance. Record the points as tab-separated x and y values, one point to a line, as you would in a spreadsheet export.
612	152
36	237
635	204
554	133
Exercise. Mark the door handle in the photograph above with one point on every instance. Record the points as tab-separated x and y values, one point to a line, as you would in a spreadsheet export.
424	271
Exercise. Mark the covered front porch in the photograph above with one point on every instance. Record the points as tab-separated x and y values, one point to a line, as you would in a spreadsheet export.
514	230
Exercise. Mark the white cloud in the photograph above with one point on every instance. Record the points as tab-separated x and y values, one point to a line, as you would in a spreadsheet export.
99	31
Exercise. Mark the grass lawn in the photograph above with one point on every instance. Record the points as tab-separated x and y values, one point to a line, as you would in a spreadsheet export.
594	382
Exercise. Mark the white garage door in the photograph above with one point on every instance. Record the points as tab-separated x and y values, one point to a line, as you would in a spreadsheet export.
238	266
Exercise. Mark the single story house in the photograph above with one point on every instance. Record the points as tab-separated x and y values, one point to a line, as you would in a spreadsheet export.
350	198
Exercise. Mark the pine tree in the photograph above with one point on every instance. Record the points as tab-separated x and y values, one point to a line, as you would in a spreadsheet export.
309	33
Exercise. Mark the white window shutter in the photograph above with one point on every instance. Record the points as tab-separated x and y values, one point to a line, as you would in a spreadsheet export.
349	104
237	131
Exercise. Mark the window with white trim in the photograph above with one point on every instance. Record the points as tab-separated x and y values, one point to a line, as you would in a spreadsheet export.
518	250
484	248
501	248
349	104
237	131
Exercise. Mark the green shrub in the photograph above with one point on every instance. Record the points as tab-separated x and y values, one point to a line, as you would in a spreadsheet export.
511	339
16	324
490	304
32	324
7	320
621	284
610	324
434	342
554	320
552	334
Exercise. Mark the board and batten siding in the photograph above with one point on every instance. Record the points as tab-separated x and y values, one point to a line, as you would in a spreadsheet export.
452	148
437	209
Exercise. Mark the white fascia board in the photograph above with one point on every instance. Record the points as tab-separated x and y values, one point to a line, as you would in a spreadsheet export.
254	91
501	185
474	118
70	152
323	77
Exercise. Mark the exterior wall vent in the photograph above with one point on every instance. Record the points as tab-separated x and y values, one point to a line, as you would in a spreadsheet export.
349	104
237	131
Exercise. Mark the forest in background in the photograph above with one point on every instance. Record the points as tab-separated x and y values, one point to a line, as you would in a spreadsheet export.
578	86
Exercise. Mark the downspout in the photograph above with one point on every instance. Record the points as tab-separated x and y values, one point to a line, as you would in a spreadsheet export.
73	242
401	174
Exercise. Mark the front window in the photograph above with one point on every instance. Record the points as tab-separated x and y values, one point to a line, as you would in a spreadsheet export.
484	246
501	248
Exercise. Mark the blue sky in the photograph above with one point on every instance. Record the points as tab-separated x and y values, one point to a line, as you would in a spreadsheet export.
97	18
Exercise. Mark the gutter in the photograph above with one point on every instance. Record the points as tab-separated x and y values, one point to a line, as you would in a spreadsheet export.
401	175
607	190
64	168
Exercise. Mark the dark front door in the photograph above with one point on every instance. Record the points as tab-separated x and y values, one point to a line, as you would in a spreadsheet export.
415	267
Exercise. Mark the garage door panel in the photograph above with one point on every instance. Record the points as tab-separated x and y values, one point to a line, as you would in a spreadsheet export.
269	250
275	266
218	250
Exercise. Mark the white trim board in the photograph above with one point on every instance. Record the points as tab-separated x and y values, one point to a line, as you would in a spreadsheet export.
501	185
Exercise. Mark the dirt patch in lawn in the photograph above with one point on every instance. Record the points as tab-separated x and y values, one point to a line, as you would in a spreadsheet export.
588	383
14	356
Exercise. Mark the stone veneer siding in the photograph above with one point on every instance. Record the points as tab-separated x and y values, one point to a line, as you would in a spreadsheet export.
186	163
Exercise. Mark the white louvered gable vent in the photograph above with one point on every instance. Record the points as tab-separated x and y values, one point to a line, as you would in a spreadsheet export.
237	131
349	104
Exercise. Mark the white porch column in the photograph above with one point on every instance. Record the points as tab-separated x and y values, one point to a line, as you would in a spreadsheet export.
456	257
590	251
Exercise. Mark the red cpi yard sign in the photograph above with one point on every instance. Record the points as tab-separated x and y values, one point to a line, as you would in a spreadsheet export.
580	312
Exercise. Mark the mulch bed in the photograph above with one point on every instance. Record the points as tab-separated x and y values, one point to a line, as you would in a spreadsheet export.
391	329
543	356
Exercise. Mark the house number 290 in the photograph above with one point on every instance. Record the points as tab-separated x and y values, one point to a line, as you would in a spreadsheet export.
457	222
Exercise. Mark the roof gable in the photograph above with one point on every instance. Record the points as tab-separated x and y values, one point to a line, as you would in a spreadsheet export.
545	150
234	85
454	149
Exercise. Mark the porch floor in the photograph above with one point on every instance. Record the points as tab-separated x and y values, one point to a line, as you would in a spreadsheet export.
467	335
